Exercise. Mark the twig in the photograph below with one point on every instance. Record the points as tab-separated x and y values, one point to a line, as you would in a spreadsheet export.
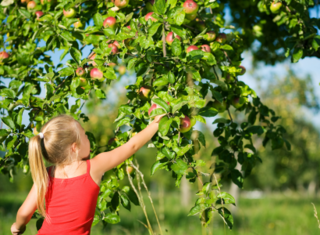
149	195
140	198
164	43
226	54
315	214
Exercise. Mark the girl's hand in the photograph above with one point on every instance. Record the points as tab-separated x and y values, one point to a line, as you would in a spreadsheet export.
16	231
158	118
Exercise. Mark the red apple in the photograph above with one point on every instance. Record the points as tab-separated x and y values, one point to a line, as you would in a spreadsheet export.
114	48
69	13
110	22
145	92
121	3
192	48
205	48
31	5
39	14
3	55
154	106
149	16
116	43
25	1
129	27
80	71
222	38
78	24
122	69
129	170
96	74
185	124
243	70
190	7
210	36
92	58
235	102
170	38
275	7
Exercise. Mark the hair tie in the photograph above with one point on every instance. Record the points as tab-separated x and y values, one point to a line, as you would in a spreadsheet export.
41	135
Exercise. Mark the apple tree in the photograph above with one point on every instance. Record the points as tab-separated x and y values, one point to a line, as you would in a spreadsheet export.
187	63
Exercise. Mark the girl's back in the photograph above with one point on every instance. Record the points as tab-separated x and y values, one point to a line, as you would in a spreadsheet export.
70	204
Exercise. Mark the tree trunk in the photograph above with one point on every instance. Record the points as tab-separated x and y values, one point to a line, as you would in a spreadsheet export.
185	192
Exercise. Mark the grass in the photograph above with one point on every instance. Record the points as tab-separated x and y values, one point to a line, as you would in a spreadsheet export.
275	214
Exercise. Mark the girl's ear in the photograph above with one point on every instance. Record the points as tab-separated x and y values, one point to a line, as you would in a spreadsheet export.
74	147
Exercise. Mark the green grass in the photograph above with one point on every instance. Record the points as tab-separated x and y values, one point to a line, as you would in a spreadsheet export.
274	214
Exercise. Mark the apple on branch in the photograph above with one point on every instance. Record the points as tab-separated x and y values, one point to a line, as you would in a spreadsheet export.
275	7
80	71
243	70
210	36
122	69
170	38
38	14
220	107
96	74
185	124
31	5
205	48
121	3
149	16
69	13
155	106
3	55
110	22
192	48
235	101
221	38
130	170
78	24
114	49
190	7
145	92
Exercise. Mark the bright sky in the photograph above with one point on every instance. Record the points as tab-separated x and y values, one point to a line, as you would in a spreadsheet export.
302	68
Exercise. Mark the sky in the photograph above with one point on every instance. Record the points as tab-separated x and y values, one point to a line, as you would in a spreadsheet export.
302	68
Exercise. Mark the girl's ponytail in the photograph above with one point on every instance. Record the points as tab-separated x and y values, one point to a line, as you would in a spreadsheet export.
38	171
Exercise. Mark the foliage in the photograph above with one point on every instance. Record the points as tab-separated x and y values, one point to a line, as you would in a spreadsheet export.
185	79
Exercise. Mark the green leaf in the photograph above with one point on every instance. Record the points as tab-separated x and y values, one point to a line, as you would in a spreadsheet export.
67	71
179	105
297	54
100	93
226	47
110	73
226	216
153	29
157	165
162	81
176	47
221	120
19	117
255	130
9	122
316	43
76	55
179	167
171	77
164	125
179	18
209	58
208	112
237	178
6	92
168	153
98	20
161	103
112	218
125	201
179	30
227	198
159	6
25	13
39	223
156	112
124	121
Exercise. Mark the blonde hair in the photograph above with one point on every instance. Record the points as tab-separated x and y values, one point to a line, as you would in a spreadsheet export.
59	133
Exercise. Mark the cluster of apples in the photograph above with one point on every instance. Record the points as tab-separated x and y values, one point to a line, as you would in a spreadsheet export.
222	106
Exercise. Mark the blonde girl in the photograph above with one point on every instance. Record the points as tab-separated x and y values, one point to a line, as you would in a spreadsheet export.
69	189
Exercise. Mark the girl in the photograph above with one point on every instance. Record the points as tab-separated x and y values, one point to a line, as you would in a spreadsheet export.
70	187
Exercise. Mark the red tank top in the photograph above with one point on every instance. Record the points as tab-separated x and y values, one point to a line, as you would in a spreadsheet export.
71	204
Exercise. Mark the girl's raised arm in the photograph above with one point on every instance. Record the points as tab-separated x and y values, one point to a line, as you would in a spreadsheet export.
108	160
25	212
